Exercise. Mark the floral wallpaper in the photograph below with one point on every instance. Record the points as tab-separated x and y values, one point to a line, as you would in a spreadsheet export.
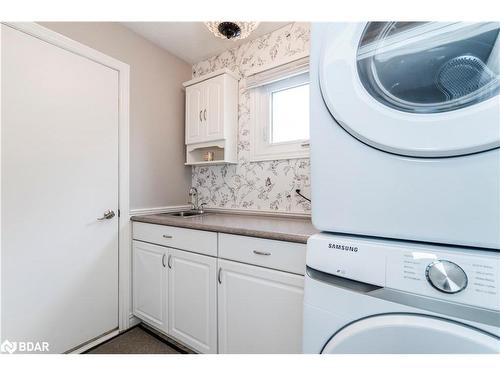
266	185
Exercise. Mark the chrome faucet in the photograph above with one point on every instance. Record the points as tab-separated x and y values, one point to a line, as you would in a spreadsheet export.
193	193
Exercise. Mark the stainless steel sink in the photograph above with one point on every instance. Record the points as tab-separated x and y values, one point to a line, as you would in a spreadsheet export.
187	213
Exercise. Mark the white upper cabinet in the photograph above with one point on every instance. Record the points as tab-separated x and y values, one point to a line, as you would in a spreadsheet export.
194	113
204	111
213	113
212	118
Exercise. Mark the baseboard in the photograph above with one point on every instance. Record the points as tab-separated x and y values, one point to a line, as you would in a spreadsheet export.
133	321
158	210
95	342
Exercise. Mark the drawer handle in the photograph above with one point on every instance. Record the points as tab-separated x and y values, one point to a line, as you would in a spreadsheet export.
261	252
169	261
167	236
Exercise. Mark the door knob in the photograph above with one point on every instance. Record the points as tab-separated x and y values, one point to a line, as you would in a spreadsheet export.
108	214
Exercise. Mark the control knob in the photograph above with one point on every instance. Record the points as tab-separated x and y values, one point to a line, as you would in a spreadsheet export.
446	276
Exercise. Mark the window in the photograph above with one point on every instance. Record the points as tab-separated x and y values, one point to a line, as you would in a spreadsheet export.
280	117
290	114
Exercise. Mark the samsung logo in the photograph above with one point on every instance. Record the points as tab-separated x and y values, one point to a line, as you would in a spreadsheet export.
354	249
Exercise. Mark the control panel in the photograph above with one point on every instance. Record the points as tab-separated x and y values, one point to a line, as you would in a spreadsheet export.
465	276
347	257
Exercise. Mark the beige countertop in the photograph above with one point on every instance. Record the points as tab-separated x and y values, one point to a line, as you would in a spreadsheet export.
266	226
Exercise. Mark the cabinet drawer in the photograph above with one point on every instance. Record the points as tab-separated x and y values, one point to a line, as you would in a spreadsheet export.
280	255
180	238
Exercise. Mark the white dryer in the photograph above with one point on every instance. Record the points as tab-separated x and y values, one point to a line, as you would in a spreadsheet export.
405	131
383	296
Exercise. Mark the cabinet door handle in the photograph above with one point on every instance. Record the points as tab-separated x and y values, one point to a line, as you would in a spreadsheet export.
169	261
163	260
219	275
167	236
201	119
205	114
261	252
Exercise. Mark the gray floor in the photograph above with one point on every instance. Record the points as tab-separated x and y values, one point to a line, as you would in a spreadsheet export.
135	341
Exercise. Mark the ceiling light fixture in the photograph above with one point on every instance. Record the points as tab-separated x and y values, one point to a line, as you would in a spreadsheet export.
231	30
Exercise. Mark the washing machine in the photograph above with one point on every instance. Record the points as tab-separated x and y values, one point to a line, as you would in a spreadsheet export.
405	131
384	296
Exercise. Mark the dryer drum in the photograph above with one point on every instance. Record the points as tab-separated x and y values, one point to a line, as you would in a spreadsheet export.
463	76
429	67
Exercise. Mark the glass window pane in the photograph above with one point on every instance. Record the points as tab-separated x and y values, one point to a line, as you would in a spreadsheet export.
290	114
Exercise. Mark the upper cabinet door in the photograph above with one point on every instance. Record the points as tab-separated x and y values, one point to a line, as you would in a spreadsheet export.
192	295
150	283
194	113
213	112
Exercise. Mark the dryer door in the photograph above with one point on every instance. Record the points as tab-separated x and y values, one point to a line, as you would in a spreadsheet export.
410	333
425	89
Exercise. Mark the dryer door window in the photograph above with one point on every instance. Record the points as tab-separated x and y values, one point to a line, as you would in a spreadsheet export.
410	334
430	67
423	89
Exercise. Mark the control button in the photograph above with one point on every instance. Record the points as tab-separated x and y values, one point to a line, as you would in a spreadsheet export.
446	276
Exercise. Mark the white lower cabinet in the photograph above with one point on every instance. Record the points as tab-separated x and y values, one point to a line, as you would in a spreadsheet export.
215	305
259	309
192	300
149	284
175	291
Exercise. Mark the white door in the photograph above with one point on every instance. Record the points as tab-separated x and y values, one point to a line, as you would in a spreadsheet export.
260	310
410	334
426	89
59	174
213	111
192	300
194	113
149	283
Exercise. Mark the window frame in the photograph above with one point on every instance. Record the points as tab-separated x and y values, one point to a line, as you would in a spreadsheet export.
261	118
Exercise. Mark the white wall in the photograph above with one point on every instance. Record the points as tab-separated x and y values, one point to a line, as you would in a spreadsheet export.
268	185
158	176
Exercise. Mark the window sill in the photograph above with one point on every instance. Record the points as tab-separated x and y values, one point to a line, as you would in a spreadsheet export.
303	154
